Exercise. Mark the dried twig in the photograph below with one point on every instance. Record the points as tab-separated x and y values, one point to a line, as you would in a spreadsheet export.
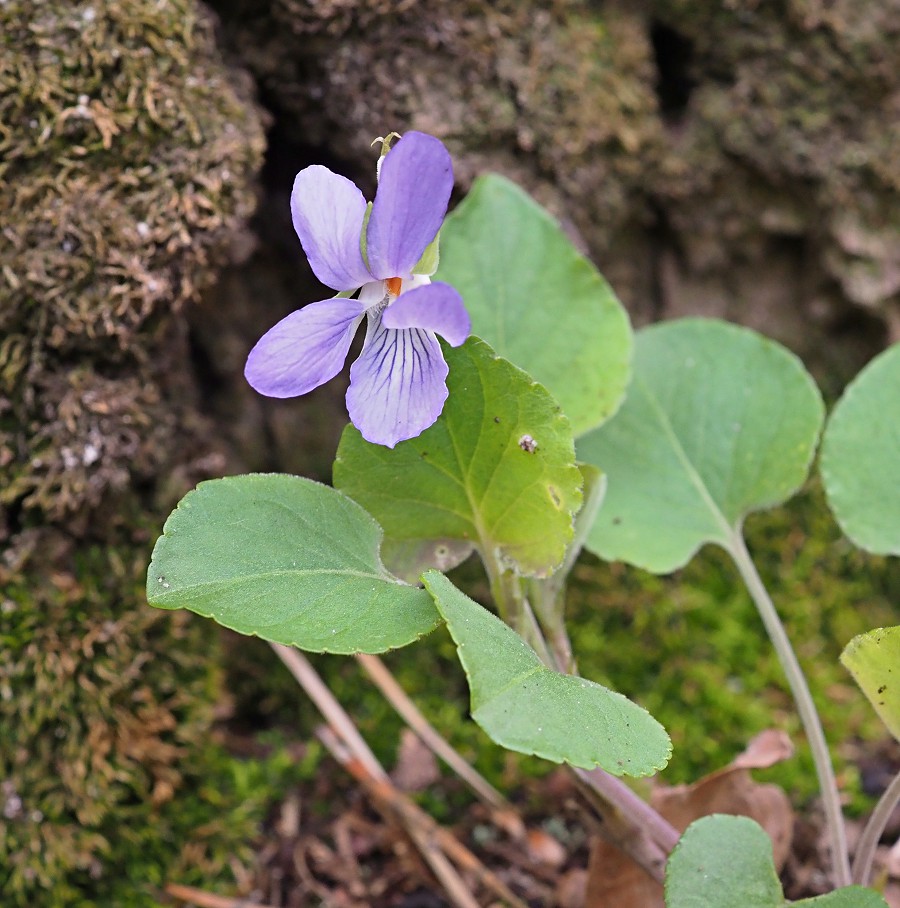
208	899
409	712
334	714
348	746
422	828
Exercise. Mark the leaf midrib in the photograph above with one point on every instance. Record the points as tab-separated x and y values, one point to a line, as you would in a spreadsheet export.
694	477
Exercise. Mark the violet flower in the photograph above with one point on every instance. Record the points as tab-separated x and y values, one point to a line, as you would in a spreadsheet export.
398	383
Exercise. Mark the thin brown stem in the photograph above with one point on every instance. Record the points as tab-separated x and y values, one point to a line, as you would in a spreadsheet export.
208	899
622	831
434	842
409	712
308	678
344	741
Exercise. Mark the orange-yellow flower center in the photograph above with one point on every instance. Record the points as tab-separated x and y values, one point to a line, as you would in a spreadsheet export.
393	285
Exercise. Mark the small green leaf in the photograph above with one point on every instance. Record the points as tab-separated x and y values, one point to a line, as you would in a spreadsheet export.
861	456
496	470
719	421
874	661
526	707
726	862
431	257
363	234
723	862
849	897
536	300
288	560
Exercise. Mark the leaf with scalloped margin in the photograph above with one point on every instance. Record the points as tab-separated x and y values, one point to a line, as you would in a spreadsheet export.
286	559
860	461
496	470
873	659
537	300
526	707
719	421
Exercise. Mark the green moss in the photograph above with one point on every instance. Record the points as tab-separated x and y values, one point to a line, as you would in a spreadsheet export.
128	151
126	168
113	779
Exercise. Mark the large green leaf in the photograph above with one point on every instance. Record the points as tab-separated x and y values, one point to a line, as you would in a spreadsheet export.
861	456
726	862
526	707
718	421
497	470
536	300
286	559
874	661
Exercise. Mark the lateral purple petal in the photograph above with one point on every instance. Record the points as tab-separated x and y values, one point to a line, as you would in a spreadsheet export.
410	204
305	349
398	384
437	307
328	210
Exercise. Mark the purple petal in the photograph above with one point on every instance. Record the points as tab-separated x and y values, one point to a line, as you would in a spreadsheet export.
328	212
305	349
398	384
410	204
436	307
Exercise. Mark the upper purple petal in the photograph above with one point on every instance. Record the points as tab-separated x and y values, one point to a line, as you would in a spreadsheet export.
328	211
398	384
437	307
305	349
410	204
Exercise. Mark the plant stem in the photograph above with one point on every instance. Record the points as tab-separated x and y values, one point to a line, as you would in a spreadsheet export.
868	842
615	791
809	717
630	820
512	605
409	712
308	678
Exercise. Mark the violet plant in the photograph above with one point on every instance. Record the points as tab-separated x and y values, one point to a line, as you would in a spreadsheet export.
550	430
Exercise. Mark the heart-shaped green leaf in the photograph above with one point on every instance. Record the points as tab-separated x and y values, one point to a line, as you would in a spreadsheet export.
861	456
526	707
286	559
726	862
874	661
718	421
536	300
497	470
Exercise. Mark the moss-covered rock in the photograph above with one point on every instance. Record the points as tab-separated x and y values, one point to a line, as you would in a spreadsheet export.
729	159
784	159
554	95
105	706
128	155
